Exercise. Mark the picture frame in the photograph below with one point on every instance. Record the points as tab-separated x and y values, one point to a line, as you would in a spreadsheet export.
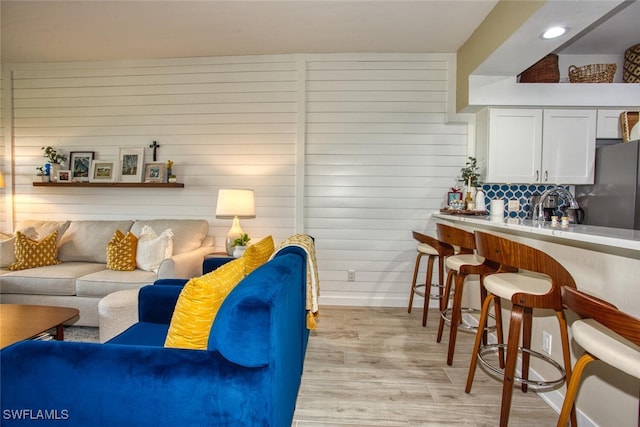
80	165
453	196
155	172
131	162
64	175
102	171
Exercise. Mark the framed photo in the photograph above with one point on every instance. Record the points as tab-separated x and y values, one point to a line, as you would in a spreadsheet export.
453	196
64	176
131	161
102	171
80	165
155	172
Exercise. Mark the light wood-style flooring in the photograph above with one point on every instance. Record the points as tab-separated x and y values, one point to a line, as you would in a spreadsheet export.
379	367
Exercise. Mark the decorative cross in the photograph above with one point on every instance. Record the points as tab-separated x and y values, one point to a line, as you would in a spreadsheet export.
155	147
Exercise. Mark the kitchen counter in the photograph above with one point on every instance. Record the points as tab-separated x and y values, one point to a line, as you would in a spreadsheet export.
610	240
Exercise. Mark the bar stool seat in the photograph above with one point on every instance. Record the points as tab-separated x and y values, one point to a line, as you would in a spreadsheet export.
433	249
607	346
457	261
605	333
505	285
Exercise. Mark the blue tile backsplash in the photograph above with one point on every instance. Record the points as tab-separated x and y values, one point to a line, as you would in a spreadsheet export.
520	192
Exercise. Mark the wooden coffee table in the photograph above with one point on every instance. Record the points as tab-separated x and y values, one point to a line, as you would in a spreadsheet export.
20	322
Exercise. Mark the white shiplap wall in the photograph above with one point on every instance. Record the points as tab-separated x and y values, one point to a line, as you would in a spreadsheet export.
380	157
353	149
225	122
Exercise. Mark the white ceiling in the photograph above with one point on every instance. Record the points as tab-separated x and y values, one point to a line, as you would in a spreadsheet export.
95	30
89	30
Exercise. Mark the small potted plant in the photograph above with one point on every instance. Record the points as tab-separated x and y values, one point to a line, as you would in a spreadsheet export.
55	161
470	174
240	245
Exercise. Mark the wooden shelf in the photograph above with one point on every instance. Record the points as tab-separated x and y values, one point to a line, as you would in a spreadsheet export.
111	184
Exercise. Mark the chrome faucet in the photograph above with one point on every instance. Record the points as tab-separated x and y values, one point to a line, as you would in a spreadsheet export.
538	211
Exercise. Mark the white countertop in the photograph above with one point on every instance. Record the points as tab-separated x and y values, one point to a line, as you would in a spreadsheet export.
576	234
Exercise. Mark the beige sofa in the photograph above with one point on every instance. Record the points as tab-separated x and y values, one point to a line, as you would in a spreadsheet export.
82	279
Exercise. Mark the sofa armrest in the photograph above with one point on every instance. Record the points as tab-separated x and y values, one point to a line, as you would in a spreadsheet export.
213	263
157	302
187	264
154	386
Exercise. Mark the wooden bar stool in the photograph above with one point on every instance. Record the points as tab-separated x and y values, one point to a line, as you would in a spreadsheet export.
538	286
605	334
460	266
433	248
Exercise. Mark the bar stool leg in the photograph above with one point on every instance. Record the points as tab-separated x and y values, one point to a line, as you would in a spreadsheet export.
413	282
515	324
427	289
482	323
527	321
444	303
568	406
564	337
456	316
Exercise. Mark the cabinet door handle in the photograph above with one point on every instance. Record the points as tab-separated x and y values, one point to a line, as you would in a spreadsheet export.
537	174
546	176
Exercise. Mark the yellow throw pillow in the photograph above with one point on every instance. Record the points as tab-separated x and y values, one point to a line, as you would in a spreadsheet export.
258	254
198	305
121	251
30	253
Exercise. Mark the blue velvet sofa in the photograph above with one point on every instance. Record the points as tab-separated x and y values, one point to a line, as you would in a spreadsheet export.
249	376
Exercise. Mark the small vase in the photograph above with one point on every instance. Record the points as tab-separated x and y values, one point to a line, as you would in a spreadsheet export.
173	179
239	251
53	172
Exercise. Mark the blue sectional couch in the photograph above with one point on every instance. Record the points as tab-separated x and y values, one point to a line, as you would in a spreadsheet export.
249	376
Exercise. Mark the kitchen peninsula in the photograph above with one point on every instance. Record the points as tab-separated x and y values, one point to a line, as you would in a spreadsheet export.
604	262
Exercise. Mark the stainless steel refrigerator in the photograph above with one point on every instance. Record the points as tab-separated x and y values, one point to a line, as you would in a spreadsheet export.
614	199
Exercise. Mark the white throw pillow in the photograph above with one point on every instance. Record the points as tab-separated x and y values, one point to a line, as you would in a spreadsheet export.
7	249
152	249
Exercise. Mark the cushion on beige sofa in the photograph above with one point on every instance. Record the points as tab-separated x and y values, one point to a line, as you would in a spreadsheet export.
188	233
87	240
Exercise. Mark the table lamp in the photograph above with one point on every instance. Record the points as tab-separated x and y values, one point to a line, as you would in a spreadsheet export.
235	203
1	180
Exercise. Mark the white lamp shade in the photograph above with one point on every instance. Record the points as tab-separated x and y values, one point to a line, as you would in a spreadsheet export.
235	202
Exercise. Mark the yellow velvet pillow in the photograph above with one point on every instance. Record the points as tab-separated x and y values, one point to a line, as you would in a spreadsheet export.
258	254
31	253
121	251
198	305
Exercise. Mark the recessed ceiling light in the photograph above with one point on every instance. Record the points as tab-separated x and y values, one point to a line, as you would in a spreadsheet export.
554	32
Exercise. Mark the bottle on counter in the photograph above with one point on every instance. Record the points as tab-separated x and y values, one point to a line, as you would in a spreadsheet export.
468	202
481	205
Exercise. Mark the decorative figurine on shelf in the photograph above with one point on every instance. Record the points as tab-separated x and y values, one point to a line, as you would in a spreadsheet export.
170	176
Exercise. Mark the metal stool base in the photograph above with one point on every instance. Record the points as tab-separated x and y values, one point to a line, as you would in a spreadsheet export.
417	291
446	316
493	349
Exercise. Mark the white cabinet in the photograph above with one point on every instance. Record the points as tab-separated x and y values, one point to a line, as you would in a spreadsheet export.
608	125
537	146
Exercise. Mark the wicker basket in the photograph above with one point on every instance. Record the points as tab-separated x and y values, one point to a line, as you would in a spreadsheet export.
544	71
628	119
593	73
631	70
